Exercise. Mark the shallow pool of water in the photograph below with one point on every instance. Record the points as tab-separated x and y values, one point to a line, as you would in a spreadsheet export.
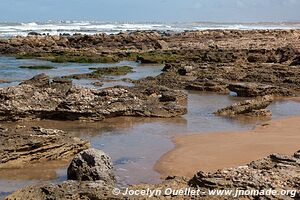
10	71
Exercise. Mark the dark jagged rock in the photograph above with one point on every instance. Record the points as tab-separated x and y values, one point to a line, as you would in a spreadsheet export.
20	147
39	98
255	107
296	61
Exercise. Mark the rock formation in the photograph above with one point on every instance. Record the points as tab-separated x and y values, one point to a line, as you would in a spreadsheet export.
255	107
40	98
20	147
277	172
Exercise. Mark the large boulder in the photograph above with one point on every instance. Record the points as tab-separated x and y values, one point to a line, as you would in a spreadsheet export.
91	165
254	107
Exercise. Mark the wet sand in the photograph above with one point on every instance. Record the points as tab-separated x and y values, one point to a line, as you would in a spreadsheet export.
210	152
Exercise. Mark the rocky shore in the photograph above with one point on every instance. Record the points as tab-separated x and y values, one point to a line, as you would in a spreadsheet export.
94	180
257	64
42	98
249	63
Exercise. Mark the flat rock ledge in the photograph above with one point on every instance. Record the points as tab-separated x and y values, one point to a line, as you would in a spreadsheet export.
255	107
42	98
21	147
277	172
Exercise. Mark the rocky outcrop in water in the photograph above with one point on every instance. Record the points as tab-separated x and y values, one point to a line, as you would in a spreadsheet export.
20	146
91	165
255	107
245	79
277	172
257	89
40	98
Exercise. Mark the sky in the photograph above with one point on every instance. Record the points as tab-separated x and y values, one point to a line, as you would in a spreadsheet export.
150	10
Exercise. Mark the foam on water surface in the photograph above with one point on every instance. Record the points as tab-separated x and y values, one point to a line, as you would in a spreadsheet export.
69	27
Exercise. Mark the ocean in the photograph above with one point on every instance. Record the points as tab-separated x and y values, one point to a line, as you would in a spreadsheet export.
72	27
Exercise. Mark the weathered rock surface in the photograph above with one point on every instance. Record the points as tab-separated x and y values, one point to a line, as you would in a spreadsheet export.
277	172
91	165
197	60
246	79
39	98
255	107
20	147
256	89
258	41
68	190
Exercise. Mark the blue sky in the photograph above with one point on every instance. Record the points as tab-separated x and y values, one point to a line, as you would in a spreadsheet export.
150	10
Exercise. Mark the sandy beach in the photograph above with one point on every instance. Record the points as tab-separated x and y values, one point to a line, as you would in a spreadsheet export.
210	152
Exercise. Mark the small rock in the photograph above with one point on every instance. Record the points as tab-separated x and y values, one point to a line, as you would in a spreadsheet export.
98	84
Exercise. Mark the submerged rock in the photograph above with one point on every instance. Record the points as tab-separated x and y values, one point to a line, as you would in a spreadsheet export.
99	73
91	165
255	107
39	98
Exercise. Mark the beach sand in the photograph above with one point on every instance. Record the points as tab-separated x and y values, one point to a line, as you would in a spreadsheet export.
210	152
